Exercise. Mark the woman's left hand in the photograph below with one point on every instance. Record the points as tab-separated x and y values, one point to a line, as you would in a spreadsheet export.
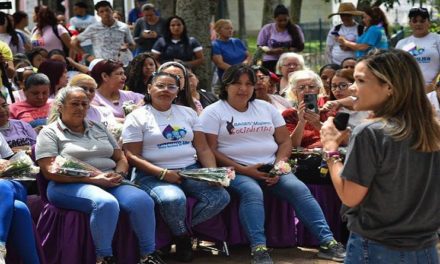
313	119
272	180
331	138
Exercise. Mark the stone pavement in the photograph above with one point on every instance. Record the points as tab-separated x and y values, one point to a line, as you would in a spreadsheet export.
240	255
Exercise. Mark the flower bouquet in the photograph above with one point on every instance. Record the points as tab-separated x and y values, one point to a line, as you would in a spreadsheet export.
115	128
71	166
129	106
280	168
222	175
20	166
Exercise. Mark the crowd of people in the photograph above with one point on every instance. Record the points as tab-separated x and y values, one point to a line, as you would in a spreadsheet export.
126	99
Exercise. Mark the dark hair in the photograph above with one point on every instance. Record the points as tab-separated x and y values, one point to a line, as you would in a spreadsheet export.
346	59
332	66
232	75
135	77
104	66
153	78
291	28
6	19
54	70
184	96
36	79
34	52
261	69
378	17
45	17
19	16
147	7
81	5
56	52
103	4
419	11
184	37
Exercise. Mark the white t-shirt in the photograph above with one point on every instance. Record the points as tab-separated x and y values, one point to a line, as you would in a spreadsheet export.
432	97
48	40
5	150
166	136
80	24
334	52
426	51
245	137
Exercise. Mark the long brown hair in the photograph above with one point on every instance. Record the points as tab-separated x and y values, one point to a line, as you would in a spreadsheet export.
407	113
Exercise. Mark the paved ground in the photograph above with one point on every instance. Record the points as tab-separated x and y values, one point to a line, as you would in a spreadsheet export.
280	256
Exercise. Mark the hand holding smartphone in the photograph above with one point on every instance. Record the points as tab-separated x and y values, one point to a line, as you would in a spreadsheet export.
311	102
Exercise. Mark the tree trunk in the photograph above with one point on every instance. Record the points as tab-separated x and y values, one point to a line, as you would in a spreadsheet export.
242	22
222	10
268	7
295	10
167	8
197	24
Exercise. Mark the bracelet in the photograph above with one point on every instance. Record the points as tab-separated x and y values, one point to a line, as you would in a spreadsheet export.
336	159
162	174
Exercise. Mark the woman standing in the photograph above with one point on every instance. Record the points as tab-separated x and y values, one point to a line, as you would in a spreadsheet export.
101	196
177	45
245	133
226	50
160	139
279	37
375	35
389	181
9	35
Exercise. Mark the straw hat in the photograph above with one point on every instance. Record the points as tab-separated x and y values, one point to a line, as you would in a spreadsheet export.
347	9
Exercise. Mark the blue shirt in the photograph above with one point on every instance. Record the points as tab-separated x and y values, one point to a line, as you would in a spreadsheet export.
232	51
374	37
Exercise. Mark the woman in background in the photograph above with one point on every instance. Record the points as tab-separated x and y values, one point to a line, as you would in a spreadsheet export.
289	62
140	70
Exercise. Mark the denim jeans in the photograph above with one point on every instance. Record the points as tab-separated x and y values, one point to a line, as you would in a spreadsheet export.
103	206
362	251
16	221
289	188
171	199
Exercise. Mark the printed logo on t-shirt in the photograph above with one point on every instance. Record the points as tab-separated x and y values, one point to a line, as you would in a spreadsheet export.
248	127
412	49
174	133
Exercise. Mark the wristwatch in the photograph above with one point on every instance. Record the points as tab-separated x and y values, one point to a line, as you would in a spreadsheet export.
326	155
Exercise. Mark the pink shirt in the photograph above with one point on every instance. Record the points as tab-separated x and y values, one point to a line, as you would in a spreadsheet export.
48	40
35	116
116	107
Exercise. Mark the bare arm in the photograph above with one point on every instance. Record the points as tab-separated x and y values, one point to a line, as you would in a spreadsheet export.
284	144
121	161
218	61
204	153
352	45
198	60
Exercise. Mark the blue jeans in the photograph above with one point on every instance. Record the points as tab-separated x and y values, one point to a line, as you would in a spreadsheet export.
289	188
362	251
171	199
16	221
103	206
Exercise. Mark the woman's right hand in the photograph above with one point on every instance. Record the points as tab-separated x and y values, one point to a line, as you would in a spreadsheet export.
301	111
173	176
252	171
106	180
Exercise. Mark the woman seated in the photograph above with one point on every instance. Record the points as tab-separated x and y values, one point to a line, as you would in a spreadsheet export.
99	114
22	71
110	77
15	218
161	138
100	196
35	109
18	134
57	73
262	87
246	134
140	70
340	84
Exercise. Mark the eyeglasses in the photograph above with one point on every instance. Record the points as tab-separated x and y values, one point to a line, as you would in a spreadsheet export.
341	86
170	87
23	69
290	65
302	88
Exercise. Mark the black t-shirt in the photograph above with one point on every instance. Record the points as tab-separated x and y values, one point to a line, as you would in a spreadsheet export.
170	51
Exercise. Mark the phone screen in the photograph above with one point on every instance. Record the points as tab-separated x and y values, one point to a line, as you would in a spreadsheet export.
311	102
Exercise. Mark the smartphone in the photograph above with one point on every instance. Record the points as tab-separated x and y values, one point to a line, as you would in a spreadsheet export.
265	168
335	33
311	102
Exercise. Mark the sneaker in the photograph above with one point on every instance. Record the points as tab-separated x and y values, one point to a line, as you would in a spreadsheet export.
152	259
107	260
260	255
184	251
332	251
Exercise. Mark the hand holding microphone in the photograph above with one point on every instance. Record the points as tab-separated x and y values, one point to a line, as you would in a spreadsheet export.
334	131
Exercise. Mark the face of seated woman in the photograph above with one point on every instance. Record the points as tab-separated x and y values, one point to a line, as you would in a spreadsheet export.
74	109
340	86
4	112
163	91
37	95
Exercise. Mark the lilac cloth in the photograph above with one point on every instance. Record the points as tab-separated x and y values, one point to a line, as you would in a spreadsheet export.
330	203
100	114
19	133
117	108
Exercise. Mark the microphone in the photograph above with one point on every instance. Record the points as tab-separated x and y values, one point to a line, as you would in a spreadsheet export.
341	121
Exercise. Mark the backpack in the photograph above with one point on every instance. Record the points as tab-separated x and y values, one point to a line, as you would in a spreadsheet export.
360	29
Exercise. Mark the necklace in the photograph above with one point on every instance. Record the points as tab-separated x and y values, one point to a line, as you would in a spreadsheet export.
166	114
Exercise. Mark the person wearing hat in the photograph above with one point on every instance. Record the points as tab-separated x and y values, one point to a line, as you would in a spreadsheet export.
375	35
349	29
423	45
